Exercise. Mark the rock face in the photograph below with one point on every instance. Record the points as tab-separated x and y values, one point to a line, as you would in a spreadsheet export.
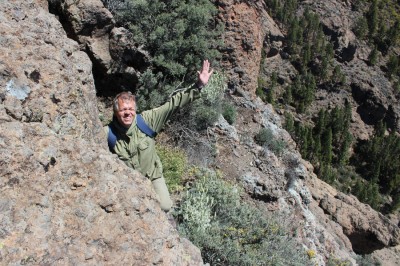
332	224
64	199
250	32
116	58
367	229
247	24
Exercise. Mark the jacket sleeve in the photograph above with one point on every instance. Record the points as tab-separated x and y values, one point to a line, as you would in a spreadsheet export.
157	117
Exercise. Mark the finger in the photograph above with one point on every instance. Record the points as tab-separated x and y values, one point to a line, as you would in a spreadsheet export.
204	67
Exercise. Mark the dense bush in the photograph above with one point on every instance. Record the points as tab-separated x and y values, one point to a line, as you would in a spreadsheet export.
231	232
384	173
229	112
177	34
266	138
206	110
174	165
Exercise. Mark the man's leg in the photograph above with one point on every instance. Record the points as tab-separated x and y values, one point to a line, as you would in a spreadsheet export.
162	191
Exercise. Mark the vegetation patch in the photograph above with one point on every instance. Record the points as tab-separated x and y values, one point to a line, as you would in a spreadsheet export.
174	165
231	232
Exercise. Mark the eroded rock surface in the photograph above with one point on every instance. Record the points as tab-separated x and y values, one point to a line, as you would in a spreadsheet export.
247	24
331	223
117	59
64	199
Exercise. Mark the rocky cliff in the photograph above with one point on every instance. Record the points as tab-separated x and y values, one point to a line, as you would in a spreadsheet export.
65	200
340	223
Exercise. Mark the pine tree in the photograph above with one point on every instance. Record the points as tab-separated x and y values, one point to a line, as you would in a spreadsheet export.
177	35
316	156
337	74
289	123
393	65
347	116
321	122
373	56
394	32
343	155
327	147
293	35
361	28
372	18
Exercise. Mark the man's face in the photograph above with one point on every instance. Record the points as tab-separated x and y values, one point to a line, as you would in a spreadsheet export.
126	112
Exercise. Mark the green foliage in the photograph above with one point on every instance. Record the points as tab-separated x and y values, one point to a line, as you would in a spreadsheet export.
332	261
177	34
289	123
327	143
206	110
229	112
230	232
367	260
379	24
260	91
372	18
149	97
393	65
265	137
373	56
174	165
337	76
283	10
266	90
310	52
303	90
361	27
384	173
367	192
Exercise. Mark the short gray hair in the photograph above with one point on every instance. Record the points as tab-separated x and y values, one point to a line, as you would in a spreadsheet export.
124	96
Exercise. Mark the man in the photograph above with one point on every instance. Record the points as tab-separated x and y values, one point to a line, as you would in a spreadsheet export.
135	147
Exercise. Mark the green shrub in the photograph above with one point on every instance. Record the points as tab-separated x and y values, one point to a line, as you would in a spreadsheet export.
367	260
202	116
205	111
260	89
263	136
229	113
230	232
174	165
361	27
178	35
266	138
332	261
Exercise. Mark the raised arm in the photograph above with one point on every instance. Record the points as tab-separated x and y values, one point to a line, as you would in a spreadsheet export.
157	117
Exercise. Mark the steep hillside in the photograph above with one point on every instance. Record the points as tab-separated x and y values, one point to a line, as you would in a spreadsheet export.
371	93
66	200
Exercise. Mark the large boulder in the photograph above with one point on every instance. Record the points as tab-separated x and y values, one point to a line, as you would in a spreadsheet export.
64	199
117	59
247	25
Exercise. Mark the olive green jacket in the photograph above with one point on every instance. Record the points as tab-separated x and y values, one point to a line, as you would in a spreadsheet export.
138	150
